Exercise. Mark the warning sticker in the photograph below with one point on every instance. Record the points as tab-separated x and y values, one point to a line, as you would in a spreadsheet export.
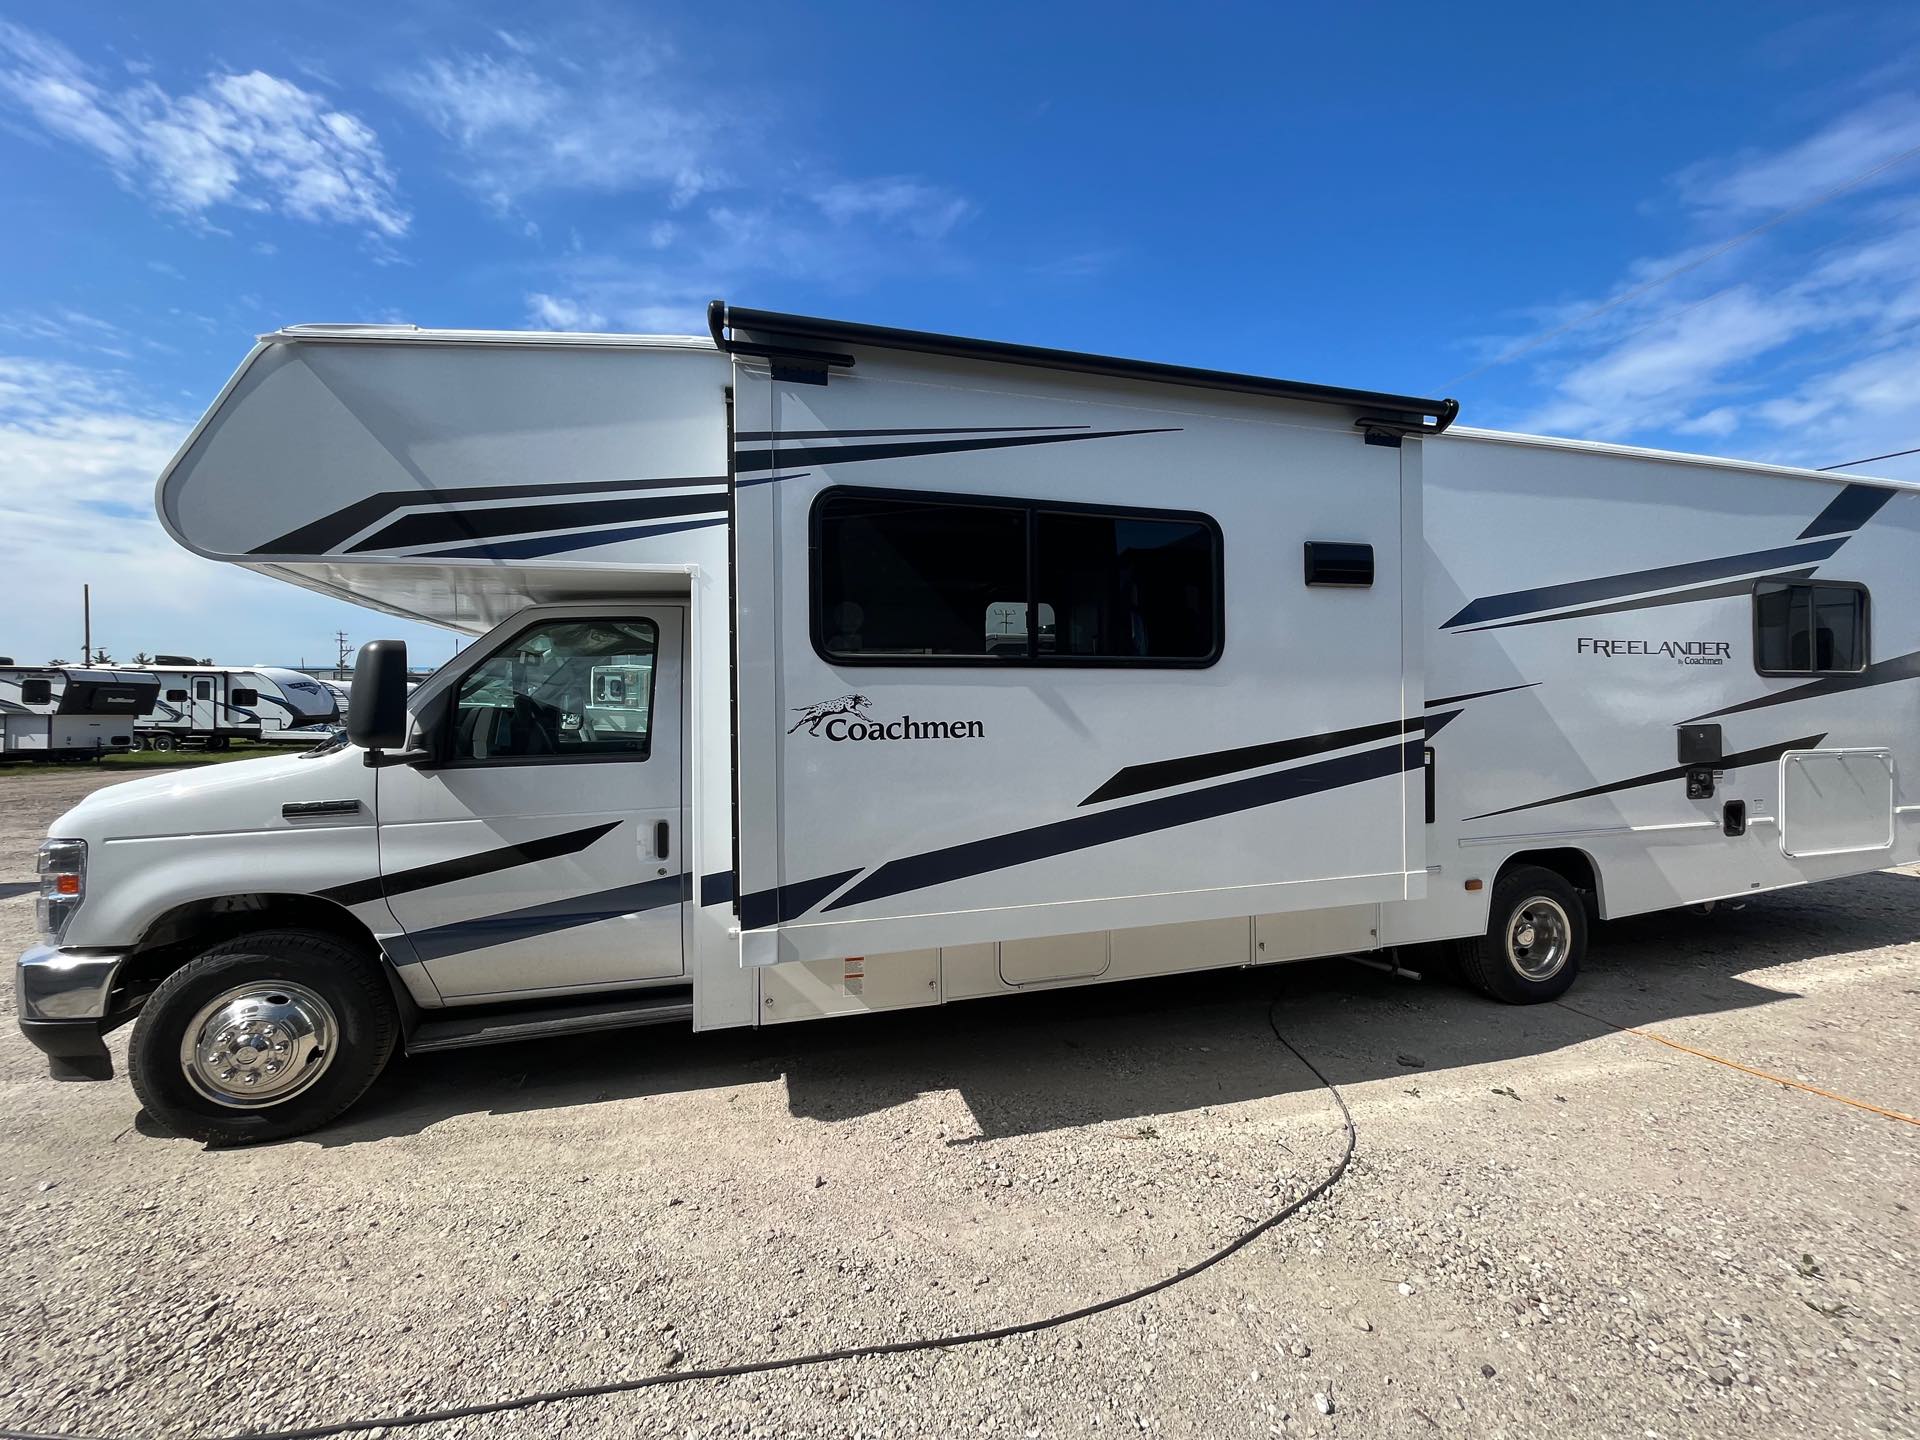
855	976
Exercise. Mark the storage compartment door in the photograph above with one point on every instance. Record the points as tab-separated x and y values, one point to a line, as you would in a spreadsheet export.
1835	802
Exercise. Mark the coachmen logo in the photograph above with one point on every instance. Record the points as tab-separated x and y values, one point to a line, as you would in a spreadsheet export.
1681	652
848	719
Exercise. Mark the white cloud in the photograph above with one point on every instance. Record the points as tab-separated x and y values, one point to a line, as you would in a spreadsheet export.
1757	182
248	141
552	312
528	123
926	211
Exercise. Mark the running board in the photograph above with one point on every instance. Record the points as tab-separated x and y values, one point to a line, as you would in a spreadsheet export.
501	1027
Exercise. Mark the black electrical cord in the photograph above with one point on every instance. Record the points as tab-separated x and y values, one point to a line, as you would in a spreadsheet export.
852	1352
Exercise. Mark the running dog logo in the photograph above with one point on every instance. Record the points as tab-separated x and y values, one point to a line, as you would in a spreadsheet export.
815	715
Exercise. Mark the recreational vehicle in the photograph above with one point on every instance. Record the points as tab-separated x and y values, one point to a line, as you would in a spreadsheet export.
57	712
211	706
821	668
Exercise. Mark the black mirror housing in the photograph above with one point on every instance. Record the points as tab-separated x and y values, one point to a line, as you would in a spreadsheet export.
377	705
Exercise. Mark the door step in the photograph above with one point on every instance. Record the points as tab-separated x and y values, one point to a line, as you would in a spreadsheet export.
498	1026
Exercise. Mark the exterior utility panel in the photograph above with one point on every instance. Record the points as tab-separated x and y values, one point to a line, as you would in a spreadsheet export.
1016	668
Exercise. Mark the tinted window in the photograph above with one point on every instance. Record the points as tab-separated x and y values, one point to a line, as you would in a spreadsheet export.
203	689
176	694
903	579
898	580
565	688
1125	588
1809	629
36	692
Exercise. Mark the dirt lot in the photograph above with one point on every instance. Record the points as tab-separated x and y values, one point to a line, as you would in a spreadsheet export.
1551	1226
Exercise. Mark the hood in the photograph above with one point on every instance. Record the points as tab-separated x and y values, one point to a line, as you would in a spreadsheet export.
237	795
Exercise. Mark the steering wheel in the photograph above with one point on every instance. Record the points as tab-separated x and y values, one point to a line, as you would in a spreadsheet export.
530	720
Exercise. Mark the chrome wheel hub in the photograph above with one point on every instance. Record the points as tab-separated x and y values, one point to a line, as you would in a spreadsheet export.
259	1044
1538	938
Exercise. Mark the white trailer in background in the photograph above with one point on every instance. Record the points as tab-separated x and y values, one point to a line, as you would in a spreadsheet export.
820	669
50	712
211	706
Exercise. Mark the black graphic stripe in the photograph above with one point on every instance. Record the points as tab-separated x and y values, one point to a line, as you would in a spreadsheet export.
1185	769
1651	602
1665	577
1479	694
481	524
570	540
1849	510
320	536
717	888
554	915
465	867
778	436
1673	772
1104	827
749	462
1886	672
788	902
1432	725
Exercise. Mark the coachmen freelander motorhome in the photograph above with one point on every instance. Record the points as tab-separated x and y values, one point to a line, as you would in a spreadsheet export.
211	706
824	668
57	712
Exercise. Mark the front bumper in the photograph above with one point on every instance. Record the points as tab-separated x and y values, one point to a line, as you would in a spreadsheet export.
66	1008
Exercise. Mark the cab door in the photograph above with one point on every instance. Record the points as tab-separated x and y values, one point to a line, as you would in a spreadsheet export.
544	849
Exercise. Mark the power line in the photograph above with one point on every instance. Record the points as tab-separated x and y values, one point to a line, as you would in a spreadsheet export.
1634	293
1890	455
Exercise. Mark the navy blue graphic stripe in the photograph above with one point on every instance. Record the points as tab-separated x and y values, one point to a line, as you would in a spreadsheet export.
568	540
717	888
465	867
1886	672
1650	602
1612	587
486	523
1479	694
781	435
320	536
1760	756
1104	827
749	462
1849	510
1185	769
788	902
555	915
742	484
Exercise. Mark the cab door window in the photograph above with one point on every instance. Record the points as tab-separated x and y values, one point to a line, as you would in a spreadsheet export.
564	689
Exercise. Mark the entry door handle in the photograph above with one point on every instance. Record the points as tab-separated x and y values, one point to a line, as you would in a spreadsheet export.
660	838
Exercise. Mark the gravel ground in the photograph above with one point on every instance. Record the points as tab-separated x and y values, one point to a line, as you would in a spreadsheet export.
1550	1226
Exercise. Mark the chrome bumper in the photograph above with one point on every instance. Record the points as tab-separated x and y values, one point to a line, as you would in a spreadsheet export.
55	984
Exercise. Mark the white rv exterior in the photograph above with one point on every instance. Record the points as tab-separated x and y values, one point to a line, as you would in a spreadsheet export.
822	669
211	706
51	712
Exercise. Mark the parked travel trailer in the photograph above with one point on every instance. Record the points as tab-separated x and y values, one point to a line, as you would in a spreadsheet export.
56	712
821	668
211	706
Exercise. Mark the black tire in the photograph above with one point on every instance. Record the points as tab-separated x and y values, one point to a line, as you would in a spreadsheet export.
1493	966
364	1021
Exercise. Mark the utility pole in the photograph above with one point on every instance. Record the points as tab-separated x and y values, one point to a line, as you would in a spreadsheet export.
86	624
340	657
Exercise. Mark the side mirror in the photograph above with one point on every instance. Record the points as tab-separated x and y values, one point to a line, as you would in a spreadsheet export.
377	705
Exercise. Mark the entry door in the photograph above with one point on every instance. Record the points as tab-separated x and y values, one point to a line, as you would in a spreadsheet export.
547	852
205	714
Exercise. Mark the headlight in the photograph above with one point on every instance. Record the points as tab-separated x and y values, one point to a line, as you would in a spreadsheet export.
62	867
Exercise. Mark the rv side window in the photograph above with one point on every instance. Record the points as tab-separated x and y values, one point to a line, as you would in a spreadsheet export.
1809	628
566	689
176	695
956	580
36	692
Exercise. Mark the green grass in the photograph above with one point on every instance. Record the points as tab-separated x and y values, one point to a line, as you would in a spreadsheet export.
150	760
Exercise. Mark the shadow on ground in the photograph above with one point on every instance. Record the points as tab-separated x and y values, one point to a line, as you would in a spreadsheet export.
1028	1064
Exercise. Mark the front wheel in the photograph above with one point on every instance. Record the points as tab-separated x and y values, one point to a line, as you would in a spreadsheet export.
265	1036
1536	938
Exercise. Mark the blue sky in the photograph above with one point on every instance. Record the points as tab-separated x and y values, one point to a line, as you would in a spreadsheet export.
1394	197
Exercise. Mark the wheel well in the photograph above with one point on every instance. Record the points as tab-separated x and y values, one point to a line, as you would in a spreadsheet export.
1576	867
184	931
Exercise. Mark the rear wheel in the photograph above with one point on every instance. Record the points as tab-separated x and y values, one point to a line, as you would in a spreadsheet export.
163	742
265	1036
1536	939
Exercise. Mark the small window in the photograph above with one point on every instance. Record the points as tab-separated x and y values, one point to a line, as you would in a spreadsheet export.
949	580
176	695
564	689
203	689
1809	628
246	699
36	692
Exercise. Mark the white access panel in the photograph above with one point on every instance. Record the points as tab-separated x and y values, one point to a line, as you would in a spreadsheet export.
1835	802
852	985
